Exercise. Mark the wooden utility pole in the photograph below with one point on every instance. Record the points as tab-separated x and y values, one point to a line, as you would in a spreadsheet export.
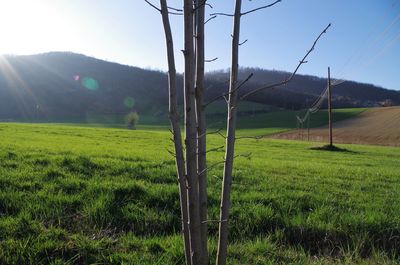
308	127
330	107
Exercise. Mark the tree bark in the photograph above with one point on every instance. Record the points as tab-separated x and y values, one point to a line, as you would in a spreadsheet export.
201	127
174	119
191	135
230	140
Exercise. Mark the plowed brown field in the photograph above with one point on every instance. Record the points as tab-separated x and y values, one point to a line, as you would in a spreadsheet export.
377	126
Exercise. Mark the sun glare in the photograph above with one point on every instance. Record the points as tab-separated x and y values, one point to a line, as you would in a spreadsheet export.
28	27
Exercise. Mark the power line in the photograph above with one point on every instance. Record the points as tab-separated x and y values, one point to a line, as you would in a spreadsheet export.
370	42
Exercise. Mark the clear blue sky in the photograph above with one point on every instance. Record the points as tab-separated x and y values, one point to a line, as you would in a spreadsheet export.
363	43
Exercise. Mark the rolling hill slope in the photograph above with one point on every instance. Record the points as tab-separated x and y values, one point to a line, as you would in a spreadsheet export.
62	86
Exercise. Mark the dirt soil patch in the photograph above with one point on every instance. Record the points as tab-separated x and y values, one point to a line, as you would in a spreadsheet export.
377	126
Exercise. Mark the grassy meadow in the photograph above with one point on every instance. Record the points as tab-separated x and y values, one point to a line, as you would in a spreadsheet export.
87	195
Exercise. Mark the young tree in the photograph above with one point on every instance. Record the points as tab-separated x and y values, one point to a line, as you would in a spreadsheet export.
231	122
192	167
132	118
191	134
201	124
176	130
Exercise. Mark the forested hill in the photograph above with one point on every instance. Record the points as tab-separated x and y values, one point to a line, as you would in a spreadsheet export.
61	85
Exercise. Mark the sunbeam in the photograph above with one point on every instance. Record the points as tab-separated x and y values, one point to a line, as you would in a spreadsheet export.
21	92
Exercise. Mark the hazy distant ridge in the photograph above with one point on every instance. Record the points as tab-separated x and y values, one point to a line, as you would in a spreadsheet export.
59	85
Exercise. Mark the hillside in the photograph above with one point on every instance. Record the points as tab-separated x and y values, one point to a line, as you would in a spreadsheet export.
67	85
61	86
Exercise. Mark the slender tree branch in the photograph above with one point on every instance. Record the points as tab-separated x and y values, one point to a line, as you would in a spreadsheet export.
220	134
226	99
213	132
302	61
249	137
247	12
159	9
243	83
208	20
211	60
262	7
215	221
217	131
227	94
221	14
171	153
153	6
245	155
240	44
211	166
175	13
213	149
175	9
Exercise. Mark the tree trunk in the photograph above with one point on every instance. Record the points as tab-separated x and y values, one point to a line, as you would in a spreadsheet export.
201	127
191	135
230	140
174	118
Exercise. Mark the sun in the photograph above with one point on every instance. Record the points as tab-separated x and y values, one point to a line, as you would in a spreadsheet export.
28	26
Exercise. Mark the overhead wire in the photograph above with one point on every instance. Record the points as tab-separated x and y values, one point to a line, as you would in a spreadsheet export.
360	64
371	40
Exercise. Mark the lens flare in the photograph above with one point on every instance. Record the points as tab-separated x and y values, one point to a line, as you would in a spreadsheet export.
90	83
129	102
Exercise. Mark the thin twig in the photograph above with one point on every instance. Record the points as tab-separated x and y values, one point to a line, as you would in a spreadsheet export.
259	8
208	20
159	9
221	14
249	137
175	9
216	221
302	61
210	167
175	13
213	132
153	6
227	94
246	155
212	150
247	12
211	60
240	44
220	134
171	153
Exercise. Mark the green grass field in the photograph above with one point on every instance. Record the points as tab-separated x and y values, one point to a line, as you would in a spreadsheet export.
250	124
84	195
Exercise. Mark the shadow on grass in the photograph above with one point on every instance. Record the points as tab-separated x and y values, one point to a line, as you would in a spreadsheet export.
331	148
